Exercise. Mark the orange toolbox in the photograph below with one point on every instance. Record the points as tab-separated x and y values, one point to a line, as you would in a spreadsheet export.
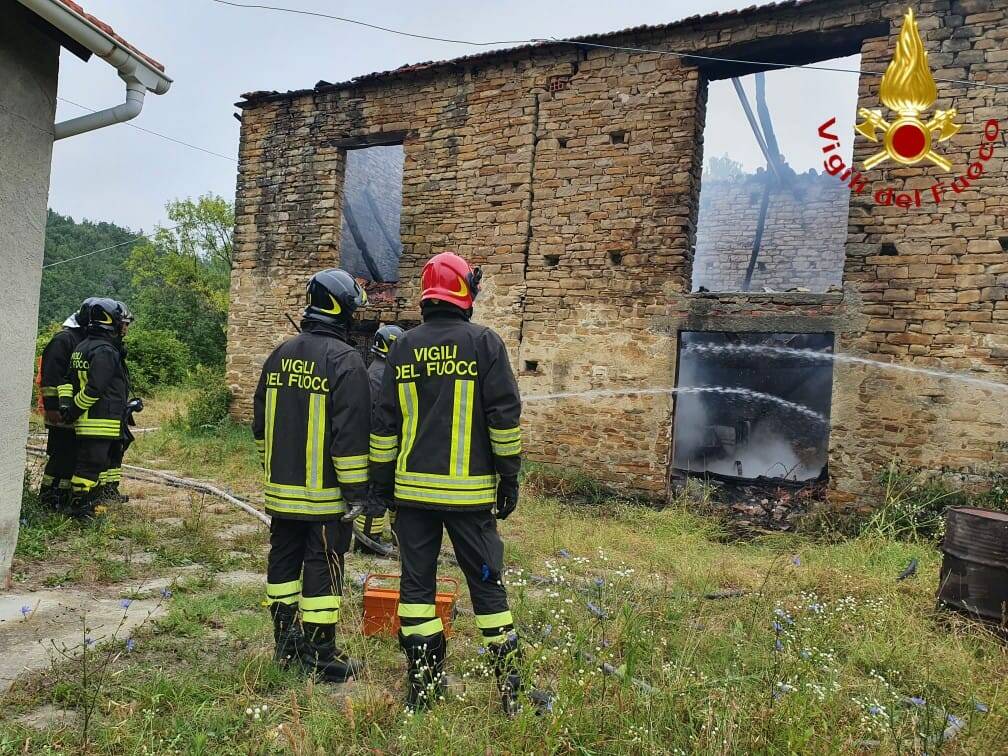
381	604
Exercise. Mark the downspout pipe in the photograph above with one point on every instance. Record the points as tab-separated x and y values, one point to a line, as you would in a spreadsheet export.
139	74
99	120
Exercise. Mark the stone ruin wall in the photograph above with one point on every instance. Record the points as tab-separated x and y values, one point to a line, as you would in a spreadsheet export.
580	202
802	247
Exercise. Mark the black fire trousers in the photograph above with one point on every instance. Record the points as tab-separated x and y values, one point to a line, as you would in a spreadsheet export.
305	566
61	446
93	456
480	553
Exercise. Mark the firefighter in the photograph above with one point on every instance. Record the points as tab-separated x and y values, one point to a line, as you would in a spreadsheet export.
374	527
108	491
445	453
61	445
96	401
311	422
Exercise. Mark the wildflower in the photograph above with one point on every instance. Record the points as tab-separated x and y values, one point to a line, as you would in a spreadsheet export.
130	645
955	721
596	610
25	610
778	645
599	582
796	560
125	603
481	650
915	701
981	707
547	629
778	627
875	710
165	593
783	615
563	554
88	641
805	654
248	711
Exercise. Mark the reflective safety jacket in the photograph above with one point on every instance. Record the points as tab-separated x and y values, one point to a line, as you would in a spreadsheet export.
311	418
99	384
446	425
375	372
55	364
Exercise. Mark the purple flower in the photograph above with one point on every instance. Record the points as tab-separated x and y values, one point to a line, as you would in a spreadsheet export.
778	627
955	721
778	645
25	610
874	710
130	645
596	610
125	603
165	593
982	708
796	560
88	641
915	701
599	582
563	554
481	650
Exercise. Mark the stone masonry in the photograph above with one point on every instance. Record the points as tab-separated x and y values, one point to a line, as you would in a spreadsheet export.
571	173
803	240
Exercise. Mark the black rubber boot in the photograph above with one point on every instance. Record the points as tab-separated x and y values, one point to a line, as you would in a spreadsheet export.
287	635
49	495
322	657
115	496
507	658
425	678
82	504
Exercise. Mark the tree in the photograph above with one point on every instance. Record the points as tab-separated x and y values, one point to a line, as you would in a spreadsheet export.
722	168
182	273
66	285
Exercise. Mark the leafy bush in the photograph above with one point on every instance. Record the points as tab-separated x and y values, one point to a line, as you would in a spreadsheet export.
156	358
211	399
914	503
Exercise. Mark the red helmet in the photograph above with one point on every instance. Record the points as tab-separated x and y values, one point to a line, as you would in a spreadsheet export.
448	278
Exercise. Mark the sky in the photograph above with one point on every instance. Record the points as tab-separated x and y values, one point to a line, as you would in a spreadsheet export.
214	53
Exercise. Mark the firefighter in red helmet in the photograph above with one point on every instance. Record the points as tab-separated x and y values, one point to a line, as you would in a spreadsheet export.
445	453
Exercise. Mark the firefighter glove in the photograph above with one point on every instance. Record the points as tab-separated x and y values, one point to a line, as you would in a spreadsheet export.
354	510
374	506
507	497
134	406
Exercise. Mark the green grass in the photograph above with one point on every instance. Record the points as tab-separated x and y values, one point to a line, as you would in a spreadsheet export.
856	661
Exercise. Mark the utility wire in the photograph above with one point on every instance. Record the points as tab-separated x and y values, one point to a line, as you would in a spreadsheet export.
371	26
579	43
106	249
155	133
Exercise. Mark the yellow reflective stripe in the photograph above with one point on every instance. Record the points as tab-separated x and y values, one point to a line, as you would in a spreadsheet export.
500	638
302	507
315	443
284	593
303	492
431	627
451	482
506	450
82	484
383	456
461	432
321	616
417	611
84	401
493	621
449	498
408	404
65	389
383	442
314	603
260	444
349	463
50	391
503	435
271	395
346	477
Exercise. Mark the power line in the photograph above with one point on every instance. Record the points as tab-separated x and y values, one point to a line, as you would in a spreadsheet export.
155	133
370	26
698	56
106	249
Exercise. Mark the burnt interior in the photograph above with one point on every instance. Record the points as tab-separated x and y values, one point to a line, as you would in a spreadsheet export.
779	431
